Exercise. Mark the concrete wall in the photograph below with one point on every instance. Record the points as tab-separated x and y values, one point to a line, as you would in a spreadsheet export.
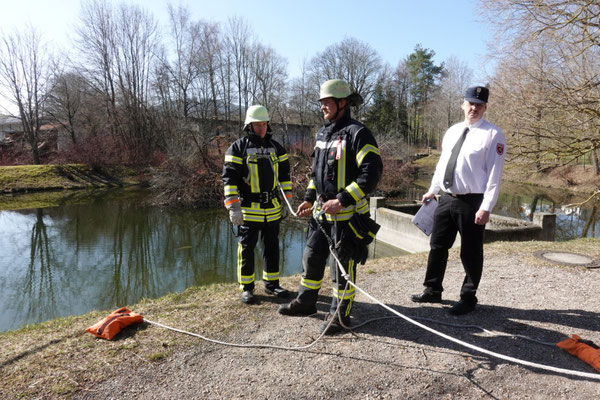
398	230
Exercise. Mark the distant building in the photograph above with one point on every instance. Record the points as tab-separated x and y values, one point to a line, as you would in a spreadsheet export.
9	128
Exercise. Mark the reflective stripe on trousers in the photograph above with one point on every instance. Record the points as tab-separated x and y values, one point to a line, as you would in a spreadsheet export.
249	234
314	259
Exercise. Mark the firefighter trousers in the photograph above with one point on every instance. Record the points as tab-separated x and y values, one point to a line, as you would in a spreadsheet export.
248	238
314	259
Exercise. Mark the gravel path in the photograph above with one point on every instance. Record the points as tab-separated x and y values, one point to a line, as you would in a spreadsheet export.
391	358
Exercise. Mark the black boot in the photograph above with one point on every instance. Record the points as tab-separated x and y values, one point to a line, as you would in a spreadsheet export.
335	327
295	308
247	297
276	290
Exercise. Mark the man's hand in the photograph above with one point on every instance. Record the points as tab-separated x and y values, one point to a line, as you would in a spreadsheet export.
427	197
304	209
482	217
332	207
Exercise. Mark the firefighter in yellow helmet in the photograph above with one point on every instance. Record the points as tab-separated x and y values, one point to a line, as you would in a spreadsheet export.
346	167
253	166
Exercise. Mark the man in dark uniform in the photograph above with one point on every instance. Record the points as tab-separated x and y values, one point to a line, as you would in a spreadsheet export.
254	165
469	173
346	168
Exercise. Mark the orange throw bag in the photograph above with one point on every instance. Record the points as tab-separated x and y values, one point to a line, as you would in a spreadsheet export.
583	350
116	320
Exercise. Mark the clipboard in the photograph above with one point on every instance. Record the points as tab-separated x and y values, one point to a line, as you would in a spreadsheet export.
423	219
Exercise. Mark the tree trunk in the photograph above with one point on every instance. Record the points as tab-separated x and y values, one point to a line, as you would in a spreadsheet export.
595	161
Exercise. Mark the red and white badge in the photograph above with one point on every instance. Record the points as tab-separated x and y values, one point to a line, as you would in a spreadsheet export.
338	153
500	149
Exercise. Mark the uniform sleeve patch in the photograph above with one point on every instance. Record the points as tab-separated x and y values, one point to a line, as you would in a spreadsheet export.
500	149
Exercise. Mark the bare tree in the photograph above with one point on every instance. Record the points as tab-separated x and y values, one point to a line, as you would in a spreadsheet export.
302	99
269	76
66	100
239	43
96	45
118	49
182	67
444	108
548	53
354	61
136	49
24	81
210	49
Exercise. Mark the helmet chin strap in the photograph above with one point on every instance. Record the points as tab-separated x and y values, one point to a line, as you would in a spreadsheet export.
337	106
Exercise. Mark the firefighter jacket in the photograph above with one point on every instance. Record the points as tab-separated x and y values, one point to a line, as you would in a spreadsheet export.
252	168
346	165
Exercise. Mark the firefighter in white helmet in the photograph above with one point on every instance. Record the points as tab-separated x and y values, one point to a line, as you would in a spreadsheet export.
346	167
253	166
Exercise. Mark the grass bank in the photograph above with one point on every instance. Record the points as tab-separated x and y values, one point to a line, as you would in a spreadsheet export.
27	178
57	359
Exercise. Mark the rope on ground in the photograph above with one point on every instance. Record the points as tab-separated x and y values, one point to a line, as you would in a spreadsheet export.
458	341
477	348
250	345
406	318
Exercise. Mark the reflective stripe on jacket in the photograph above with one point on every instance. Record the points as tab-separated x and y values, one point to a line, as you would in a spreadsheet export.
346	165
250	172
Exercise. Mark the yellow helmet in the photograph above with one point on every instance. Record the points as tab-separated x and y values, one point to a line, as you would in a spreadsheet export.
335	88
256	114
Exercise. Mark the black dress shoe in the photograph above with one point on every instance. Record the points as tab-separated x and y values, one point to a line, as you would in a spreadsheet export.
295	308
427	296
462	307
277	291
247	297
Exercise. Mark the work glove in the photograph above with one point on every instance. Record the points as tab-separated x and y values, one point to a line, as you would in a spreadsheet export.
235	213
361	254
236	216
284	212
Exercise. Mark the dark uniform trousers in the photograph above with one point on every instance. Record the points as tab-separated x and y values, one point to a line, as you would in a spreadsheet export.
269	234
456	214
314	260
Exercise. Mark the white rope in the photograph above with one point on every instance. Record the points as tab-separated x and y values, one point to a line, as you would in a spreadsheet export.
462	343
286	200
250	345
412	321
242	345
477	348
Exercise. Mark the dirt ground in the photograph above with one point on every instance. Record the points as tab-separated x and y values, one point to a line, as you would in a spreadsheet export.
392	358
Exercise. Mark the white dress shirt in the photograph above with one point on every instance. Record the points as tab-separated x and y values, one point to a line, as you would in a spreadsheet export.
479	164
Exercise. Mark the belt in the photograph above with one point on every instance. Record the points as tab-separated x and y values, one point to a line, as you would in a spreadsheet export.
466	195
264	197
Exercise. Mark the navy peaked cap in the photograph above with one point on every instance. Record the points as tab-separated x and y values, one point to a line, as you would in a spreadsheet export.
477	94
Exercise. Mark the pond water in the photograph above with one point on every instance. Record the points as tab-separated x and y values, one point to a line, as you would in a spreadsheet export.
106	250
523	201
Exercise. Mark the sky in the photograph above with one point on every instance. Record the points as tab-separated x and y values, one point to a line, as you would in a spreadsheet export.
298	30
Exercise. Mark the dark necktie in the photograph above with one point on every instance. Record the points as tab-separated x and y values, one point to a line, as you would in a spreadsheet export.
449	174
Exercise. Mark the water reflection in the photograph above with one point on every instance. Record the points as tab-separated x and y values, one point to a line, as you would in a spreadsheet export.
107	250
39	279
523	201
113	251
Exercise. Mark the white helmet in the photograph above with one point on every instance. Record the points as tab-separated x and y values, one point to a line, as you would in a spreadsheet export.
256	114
